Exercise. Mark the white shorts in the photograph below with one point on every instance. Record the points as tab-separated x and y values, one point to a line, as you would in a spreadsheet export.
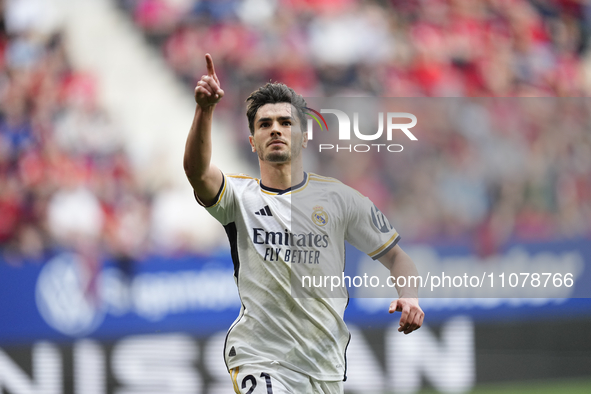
272	378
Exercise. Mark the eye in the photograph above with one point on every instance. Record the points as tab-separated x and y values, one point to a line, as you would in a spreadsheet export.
287	122
264	124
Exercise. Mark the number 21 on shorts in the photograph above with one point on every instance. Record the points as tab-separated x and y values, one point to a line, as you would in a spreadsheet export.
249	383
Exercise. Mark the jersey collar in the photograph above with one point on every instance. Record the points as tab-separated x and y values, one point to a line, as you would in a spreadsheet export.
271	190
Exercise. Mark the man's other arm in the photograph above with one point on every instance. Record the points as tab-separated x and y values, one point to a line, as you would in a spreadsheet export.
205	177
400	264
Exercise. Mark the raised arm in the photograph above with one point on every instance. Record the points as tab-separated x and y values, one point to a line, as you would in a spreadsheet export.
400	264
205	177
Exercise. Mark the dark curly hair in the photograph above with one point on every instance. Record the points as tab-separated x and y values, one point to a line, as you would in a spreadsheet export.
273	93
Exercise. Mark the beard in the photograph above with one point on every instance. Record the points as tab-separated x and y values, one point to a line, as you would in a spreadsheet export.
276	157
282	156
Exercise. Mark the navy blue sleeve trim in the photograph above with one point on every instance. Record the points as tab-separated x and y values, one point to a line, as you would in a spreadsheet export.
217	196
383	252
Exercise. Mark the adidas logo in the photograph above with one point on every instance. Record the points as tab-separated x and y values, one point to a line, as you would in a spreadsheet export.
232	352
264	211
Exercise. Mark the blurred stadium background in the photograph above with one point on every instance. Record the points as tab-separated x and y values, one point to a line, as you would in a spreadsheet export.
112	279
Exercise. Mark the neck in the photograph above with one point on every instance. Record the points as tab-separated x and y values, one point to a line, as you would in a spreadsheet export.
281	175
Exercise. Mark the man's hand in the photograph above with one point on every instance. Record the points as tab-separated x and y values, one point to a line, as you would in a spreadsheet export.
203	175
208	91
412	314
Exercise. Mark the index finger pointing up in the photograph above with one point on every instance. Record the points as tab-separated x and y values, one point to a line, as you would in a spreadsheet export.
210	68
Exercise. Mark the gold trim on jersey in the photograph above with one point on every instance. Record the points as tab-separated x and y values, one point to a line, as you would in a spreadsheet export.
289	192
384	246
234	381
239	176
299	189
321	178
222	193
242	176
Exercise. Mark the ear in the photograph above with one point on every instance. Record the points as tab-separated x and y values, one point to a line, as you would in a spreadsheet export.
305	140
251	140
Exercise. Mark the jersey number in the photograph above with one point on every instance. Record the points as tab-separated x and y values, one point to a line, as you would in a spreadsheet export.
253	383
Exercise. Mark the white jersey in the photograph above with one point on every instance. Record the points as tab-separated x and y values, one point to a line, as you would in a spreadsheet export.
278	236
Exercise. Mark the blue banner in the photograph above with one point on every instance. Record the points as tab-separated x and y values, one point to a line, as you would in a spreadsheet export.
62	299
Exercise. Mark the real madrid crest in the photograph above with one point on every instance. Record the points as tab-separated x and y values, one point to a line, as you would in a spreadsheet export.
319	216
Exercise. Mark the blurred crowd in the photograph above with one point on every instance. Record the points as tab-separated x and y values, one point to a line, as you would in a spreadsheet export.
65	179
485	173
511	170
391	48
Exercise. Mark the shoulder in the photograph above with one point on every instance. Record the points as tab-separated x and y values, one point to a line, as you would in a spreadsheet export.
320	178
333	185
239	184
241	179
242	176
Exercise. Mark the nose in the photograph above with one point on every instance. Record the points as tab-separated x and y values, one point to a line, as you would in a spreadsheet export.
275	130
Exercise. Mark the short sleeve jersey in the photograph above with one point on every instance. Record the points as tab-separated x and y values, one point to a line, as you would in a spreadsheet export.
277	237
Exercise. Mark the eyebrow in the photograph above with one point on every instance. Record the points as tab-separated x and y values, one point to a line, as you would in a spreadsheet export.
280	118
